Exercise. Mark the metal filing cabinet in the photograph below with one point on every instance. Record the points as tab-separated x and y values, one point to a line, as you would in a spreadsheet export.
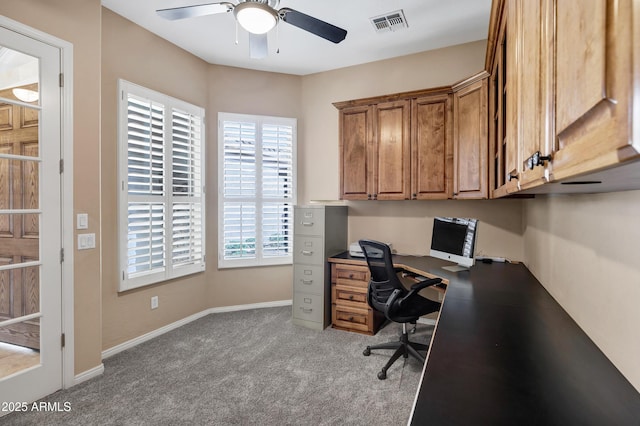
320	231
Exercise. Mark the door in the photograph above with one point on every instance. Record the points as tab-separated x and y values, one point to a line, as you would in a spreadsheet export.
431	148
30	217
356	133
470	141
392	165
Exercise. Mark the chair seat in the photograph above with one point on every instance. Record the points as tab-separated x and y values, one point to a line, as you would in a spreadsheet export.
413	309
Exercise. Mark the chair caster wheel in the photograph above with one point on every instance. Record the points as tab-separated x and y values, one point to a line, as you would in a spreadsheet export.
367	351
382	375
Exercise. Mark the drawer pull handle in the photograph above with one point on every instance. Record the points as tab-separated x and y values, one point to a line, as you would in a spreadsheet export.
351	297
307	310
307	223
307	252
307	282
350	275
351	319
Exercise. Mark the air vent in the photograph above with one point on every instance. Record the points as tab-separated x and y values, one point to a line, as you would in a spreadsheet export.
392	21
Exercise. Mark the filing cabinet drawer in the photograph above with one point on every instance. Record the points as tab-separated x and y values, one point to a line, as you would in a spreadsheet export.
309	221
349	296
352	318
351	275
308	250
308	307
308	278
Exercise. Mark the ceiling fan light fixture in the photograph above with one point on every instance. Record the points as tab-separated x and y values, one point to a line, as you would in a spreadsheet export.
257	18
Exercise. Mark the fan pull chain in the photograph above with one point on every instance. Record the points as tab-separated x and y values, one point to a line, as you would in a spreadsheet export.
236	32
277	39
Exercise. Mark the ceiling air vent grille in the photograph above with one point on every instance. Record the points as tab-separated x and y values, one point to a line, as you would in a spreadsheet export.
392	21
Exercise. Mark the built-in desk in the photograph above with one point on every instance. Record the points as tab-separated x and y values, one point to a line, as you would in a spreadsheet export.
505	353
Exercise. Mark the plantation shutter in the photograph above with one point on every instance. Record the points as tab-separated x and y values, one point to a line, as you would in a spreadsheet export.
161	200
257	186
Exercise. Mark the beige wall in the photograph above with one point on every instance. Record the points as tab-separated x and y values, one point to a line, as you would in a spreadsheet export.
78	22
584	250
136	55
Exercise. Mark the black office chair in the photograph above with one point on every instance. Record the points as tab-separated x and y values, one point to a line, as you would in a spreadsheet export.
387	294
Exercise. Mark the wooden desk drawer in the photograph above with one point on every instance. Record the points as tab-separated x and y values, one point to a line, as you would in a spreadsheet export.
351	275
352	318
349	295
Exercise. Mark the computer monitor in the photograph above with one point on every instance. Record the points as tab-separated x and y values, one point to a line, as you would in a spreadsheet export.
454	239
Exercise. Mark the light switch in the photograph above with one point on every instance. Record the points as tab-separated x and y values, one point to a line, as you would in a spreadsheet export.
86	241
82	221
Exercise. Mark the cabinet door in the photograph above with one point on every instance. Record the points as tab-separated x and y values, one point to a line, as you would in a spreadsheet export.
356	134
392	151
470	141
431	148
534	88
594	79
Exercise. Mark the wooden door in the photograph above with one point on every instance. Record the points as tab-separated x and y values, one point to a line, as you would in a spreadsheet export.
534	84
19	233
356	134
594	81
431	148
391	153
470	148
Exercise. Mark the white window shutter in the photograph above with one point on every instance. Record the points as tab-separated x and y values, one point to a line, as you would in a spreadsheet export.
161	204
257	187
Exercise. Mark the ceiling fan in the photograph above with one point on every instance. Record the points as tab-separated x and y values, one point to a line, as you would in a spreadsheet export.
258	17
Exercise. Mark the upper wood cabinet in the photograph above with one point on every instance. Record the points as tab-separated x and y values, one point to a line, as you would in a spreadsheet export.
594	84
470	148
396	147
564	96
391	151
431	147
356	134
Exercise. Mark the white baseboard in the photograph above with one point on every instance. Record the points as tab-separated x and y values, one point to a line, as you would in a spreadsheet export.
160	331
89	374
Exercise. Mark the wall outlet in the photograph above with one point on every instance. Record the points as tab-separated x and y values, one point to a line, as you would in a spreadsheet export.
154	302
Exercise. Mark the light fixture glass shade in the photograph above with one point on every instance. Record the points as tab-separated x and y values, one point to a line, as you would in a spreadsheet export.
26	95
257	18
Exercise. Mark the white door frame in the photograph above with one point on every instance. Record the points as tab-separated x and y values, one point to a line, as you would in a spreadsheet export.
67	225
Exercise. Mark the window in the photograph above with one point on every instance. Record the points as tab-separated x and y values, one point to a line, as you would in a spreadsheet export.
256	175
161	181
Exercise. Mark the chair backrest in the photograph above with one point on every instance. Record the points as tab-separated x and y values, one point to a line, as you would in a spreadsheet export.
384	280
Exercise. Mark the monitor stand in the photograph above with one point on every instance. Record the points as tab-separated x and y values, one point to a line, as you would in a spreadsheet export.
455	268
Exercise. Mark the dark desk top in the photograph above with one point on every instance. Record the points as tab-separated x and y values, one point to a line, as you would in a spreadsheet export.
506	353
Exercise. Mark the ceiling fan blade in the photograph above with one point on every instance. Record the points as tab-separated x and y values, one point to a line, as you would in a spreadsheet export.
313	25
193	11
258	48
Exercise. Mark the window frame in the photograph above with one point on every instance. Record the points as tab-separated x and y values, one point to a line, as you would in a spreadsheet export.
170	270
259	120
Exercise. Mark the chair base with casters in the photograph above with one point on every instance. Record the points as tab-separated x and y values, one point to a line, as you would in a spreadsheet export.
403	347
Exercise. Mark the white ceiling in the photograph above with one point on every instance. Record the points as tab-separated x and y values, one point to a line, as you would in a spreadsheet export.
432	24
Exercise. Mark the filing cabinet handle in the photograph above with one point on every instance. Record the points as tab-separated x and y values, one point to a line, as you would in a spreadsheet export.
308	282
306	252
307	310
307	223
